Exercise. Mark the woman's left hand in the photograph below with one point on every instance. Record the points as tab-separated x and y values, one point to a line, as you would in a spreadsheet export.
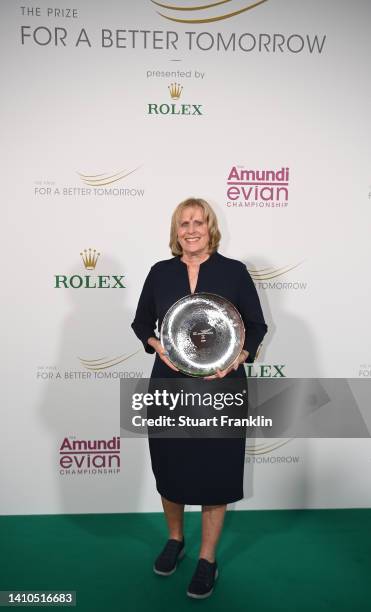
221	373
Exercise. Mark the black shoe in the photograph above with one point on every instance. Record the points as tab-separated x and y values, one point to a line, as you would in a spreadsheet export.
166	562
202	583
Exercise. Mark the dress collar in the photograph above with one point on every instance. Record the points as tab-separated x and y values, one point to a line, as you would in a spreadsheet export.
210	259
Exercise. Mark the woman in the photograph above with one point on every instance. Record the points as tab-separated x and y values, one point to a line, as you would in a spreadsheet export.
208	471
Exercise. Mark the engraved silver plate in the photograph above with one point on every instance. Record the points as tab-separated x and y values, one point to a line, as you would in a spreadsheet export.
202	333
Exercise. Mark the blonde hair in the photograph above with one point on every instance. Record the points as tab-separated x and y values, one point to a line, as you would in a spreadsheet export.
210	218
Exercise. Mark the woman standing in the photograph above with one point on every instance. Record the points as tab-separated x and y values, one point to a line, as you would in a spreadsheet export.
208	471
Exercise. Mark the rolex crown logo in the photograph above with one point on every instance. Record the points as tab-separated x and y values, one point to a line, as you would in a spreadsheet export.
90	258
175	90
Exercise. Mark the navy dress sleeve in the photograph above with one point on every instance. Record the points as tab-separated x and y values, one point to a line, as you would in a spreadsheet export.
145	317
251	313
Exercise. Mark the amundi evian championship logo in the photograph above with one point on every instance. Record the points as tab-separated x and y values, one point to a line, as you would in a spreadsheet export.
207	12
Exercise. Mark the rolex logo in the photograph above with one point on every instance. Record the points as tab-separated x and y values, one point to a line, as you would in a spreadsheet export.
102	281
90	258
175	90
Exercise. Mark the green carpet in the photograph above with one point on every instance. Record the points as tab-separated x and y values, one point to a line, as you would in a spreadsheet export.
289	560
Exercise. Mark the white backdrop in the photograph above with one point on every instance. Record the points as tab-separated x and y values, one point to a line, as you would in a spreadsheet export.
94	157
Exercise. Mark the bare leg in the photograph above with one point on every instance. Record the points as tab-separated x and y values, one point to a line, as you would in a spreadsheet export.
174	517
212	523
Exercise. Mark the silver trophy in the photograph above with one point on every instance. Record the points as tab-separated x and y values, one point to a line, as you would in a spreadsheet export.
202	333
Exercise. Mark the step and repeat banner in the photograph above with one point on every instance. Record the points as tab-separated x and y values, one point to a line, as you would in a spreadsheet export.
115	112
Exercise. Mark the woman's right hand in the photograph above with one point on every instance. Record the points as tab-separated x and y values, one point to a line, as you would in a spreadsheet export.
156	344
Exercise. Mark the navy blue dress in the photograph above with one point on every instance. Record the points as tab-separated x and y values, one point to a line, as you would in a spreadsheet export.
201	471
